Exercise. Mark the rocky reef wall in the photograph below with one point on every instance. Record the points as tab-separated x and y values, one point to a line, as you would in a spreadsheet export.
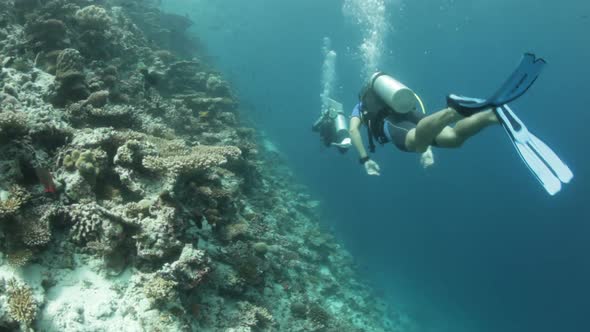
132	196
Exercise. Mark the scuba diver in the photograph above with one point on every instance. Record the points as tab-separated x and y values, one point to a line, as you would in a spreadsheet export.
332	125
388	109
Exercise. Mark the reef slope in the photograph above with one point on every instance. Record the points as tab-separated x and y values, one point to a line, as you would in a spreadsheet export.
134	198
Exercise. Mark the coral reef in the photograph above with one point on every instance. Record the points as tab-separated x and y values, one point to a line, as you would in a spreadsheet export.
160	289
70	77
21	303
93	18
12	201
132	197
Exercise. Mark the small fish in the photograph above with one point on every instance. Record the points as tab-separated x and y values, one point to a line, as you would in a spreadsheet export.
46	179
203	114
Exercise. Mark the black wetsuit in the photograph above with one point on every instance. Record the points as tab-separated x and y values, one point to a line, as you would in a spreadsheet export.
386	125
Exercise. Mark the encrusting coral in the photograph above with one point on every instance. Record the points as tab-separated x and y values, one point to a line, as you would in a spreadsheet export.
128	179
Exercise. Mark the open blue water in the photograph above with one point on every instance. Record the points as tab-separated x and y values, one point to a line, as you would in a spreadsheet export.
473	244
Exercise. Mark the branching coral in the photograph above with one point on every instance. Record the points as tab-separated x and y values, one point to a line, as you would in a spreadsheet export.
157	238
96	227
22	306
251	268
253	316
8	207
87	220
318	316
217	87
183	77
190	269
18	196
132	152
36	233
19	258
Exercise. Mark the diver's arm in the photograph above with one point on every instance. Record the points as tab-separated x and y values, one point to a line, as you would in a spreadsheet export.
371	167
355	136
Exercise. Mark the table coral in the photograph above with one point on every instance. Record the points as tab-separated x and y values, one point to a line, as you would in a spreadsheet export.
198	158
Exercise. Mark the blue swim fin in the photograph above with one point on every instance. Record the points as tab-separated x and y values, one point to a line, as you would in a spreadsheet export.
547	167
515	86
520	81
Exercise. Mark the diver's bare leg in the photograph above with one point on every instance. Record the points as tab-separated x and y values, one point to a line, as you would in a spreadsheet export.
465	128
419	138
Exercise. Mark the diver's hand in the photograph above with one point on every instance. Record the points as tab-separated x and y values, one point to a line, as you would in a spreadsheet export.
372	167
427	158
345	144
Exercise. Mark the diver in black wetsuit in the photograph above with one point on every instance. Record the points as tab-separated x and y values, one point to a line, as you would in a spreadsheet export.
388	109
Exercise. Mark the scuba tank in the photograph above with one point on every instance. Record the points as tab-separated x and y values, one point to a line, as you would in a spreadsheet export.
333	125
340	123
383	97
393	93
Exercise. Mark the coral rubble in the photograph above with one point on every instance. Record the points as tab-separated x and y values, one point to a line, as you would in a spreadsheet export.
132	196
